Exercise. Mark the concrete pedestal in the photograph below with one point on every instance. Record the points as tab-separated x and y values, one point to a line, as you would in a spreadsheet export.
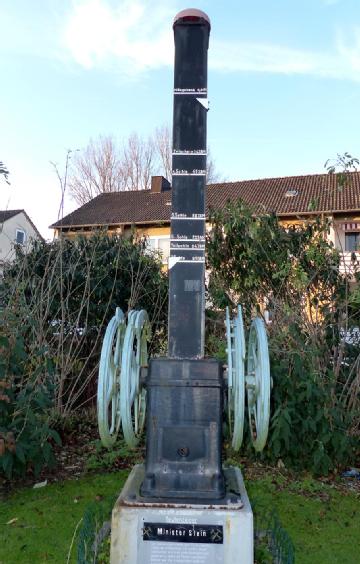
148	531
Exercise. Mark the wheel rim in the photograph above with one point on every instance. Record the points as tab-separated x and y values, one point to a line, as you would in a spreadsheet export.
132	394
258	384
230	352
236	377
108	394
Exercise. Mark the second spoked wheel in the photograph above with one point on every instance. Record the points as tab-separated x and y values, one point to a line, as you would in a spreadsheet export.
258	384
254	382
132	393
108	395
121	398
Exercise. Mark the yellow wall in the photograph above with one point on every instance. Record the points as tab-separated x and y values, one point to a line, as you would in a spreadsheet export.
85	232
336	235
154	231
163	230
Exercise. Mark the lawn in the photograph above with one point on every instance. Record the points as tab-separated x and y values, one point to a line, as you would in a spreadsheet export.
324	524
38	525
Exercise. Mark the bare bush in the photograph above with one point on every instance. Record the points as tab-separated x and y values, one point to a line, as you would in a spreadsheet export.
70	289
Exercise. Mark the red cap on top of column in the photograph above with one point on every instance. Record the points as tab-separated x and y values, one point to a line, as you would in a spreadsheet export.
191	15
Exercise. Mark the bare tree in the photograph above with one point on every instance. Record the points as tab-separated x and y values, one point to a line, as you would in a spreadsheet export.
4	171
138	163
95	170
163	149
104	167
212	175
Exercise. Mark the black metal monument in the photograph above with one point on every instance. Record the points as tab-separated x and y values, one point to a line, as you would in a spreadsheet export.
183	458
181	493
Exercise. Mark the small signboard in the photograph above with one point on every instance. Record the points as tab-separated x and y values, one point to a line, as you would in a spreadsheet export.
176	532
168	538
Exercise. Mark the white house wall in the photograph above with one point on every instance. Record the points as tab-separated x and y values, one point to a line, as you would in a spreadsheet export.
8	236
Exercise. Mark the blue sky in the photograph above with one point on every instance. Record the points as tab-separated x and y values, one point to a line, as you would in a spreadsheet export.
284	85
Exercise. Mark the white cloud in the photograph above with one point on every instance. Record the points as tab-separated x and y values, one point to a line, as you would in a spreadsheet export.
235	56
136	36
349	51
343	63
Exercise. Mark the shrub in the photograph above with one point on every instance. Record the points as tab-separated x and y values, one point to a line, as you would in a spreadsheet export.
26	395
311	424
71	288
294	272
55	303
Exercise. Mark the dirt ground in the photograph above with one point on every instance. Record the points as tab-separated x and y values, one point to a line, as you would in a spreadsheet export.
80	444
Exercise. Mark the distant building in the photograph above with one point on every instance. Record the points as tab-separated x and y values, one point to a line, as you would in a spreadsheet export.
16	228
292	199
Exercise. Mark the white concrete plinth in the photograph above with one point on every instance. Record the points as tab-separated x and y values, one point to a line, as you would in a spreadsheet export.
181	533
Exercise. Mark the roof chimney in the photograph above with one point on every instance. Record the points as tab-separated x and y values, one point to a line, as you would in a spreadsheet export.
159	184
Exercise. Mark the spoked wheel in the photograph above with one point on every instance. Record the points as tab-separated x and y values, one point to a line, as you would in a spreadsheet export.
236	376
132	394
258	384
108	394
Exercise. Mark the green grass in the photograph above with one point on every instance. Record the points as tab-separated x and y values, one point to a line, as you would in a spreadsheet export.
46	518
323	524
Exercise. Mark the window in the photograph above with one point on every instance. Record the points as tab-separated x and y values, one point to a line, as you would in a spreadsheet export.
164	247
162	244
352	242
20	237
291	193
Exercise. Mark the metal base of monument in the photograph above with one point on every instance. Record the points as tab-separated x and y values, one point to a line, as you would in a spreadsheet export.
184	429
151	531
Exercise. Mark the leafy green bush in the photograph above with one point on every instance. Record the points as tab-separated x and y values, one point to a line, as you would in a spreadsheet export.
26	395
310	424
119	456
294	272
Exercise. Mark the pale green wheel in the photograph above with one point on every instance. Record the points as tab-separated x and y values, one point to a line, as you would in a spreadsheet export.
108	391
132	394
230	349
258	384
236	376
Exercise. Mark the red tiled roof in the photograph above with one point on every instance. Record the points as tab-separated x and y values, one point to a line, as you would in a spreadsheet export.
291	195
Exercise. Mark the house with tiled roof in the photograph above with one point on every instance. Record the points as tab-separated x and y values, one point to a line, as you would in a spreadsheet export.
292	199
16	228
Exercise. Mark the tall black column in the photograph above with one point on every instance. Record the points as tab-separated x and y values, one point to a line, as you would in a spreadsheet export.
185	390
187	245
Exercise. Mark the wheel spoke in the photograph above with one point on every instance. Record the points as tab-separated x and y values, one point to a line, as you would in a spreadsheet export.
113	415
258	390
117	352
255	418
254	356
235	353
136	415
108	380
132	397
109	385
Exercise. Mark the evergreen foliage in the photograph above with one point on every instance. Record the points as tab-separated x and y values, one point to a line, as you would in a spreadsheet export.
294	272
